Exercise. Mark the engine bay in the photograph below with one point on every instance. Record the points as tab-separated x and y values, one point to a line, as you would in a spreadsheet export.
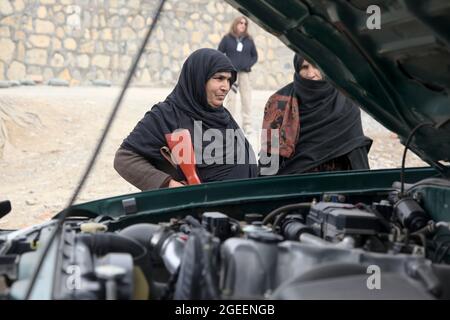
385	245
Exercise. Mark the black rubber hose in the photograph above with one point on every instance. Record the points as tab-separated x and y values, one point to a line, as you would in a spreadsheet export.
192	222
141	232
293	228
104	243
288	207
408	141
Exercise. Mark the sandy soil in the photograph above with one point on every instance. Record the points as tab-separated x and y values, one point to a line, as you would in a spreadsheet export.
42	165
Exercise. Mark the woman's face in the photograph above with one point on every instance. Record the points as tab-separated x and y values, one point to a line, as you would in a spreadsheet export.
310	72
241	26
217	88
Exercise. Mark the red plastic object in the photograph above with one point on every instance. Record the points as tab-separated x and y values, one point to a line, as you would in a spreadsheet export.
180	145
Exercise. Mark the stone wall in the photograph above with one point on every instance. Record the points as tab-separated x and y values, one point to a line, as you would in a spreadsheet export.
85	40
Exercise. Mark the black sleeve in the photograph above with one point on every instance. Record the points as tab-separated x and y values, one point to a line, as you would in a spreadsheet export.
253	54
222	45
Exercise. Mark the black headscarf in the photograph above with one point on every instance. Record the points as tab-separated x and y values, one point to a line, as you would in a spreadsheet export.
184	105
313	94
330	125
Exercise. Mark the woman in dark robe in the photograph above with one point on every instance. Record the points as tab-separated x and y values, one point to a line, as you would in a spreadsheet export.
319	128
195	104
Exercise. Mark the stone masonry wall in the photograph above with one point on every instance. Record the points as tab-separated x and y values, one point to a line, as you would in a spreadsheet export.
85	40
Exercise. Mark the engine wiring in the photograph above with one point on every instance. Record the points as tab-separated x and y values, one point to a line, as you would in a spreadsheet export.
408	141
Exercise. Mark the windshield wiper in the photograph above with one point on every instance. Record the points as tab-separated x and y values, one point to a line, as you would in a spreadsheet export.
57	229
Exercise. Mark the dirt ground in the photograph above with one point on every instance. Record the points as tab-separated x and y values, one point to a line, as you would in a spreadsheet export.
42	164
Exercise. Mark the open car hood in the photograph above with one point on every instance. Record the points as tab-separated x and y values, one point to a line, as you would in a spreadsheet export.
399	74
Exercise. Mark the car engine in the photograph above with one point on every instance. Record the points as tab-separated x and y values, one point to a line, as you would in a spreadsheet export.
327	247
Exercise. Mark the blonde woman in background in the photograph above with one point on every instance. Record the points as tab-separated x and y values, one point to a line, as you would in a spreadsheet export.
239	47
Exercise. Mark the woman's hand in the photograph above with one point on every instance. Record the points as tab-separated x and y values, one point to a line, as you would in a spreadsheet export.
174	184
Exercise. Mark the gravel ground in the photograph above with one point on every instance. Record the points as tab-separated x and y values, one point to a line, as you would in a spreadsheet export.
42	164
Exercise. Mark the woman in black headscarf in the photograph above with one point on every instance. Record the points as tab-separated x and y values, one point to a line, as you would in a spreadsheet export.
194	104
319	128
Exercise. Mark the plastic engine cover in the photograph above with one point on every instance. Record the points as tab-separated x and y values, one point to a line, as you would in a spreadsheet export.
330	220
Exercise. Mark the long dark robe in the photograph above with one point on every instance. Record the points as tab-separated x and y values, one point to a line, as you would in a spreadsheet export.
317	124
184	105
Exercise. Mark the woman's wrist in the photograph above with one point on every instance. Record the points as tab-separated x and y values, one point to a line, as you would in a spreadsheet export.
174	184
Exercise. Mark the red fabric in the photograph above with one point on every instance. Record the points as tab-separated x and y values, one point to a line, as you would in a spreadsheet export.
281	112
